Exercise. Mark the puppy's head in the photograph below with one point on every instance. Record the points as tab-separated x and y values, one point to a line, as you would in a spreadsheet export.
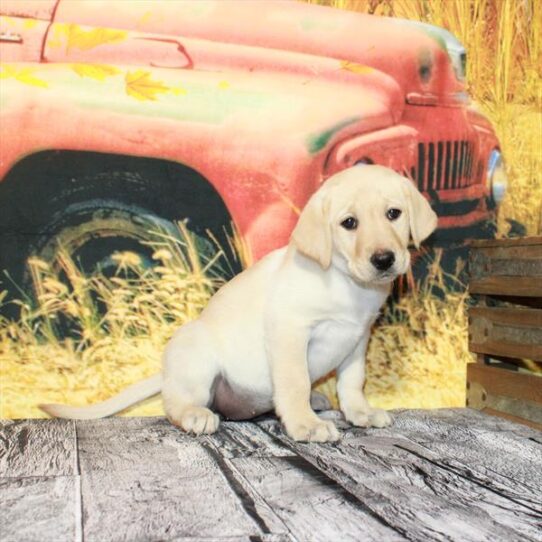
360	220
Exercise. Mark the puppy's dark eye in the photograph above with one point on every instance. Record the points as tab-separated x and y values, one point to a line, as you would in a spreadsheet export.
349	223
394	214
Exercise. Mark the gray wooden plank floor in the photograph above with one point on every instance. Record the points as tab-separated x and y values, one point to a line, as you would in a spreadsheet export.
450	474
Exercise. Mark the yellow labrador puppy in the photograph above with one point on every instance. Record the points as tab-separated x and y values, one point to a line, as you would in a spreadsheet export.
293	317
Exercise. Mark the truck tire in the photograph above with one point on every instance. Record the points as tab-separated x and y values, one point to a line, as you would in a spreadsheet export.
93	216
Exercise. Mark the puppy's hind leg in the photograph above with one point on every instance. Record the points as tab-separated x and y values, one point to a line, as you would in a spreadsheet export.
190	367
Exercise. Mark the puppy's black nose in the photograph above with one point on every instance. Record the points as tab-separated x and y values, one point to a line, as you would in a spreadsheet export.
383	260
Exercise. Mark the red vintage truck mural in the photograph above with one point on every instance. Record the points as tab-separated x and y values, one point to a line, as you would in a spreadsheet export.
117	116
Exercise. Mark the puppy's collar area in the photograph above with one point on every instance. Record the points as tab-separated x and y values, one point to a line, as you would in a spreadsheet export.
385	278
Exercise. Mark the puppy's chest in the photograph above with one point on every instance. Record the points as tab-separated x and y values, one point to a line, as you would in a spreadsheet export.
331	341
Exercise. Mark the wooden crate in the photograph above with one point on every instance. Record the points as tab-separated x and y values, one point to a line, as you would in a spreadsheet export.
505	329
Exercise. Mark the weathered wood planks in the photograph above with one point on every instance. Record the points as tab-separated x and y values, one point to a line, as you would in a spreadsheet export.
39	486
453	474
492	452
513	332
39	509
147	469
505	392
303	499
506	267
506	278
37	448
413	493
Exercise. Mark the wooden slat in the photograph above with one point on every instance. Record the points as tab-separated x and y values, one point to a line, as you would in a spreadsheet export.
423	468
254	504
506	383
503	267
311	505
522	260
499	389
494	452
37	448
509	332
194	501
399	493
40	509
246	440
149	470
117	443
506	286
514	242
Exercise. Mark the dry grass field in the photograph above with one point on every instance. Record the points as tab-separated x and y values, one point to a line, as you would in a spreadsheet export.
418	354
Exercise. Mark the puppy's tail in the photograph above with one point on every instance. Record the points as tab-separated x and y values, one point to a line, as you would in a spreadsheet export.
131	395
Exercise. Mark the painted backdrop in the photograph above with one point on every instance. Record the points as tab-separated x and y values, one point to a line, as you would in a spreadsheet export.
151	150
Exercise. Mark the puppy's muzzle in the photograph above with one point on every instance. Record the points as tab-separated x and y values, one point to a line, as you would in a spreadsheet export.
383	260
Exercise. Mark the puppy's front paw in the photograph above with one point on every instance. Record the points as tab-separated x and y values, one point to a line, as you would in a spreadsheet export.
313	430
196	420
380	418
375	417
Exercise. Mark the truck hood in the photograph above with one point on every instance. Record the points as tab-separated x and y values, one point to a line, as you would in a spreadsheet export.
234	106
414	56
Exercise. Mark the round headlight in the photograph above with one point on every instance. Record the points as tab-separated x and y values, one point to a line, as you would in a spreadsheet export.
496	176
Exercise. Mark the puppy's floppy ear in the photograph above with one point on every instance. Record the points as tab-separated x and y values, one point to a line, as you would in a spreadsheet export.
312	234
423	220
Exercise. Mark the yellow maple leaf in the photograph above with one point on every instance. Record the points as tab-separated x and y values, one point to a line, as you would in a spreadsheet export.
95	71
77	37
30	23
355	67
57	33
147	16
24	75
9	21
6	71
178	91
140	86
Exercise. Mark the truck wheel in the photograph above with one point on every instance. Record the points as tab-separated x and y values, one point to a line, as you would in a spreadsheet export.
92	232
92	217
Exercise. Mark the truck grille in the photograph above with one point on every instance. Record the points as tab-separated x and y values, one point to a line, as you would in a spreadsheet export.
446	165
